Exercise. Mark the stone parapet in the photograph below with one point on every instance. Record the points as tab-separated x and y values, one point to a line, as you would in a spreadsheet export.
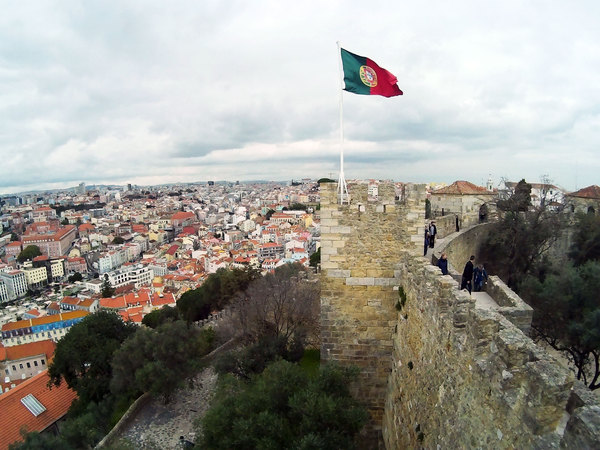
510	304
435	370
464	377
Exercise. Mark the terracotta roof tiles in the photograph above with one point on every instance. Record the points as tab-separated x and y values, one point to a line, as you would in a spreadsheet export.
56	401
463	188
16	352
592	192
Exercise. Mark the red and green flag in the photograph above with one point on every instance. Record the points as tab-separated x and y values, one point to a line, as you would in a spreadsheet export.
363	76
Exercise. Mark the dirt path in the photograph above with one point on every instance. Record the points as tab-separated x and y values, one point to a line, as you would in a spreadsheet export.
159	426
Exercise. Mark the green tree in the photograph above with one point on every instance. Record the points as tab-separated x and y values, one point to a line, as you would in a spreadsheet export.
38	441
159	316
159	361
517	243
297	207
315	258
65	221
269	213
585	242
75	277
254	358
283	303
567	315
82	357
118	240
217	291
13	237
29	252
520	200
285	408
106	290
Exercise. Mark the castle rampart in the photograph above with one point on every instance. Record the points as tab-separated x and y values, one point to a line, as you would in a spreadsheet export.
436	370
360	244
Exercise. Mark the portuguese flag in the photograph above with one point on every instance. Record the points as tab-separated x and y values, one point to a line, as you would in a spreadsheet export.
363	76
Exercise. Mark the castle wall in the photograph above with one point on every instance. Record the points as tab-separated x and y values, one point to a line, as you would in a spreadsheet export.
464	377
445	224
436	370
360	244
466	243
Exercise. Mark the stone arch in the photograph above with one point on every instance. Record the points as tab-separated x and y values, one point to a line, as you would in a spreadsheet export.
591	210
483	213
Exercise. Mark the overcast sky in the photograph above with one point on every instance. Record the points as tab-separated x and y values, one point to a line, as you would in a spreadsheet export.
150	92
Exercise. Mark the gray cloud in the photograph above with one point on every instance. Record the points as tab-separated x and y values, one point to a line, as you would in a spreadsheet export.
157	93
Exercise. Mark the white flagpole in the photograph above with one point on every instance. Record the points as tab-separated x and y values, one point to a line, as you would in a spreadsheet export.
342	187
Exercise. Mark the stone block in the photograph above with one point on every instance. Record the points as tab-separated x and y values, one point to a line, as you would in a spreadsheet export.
338	273
329	251
341	229
356	281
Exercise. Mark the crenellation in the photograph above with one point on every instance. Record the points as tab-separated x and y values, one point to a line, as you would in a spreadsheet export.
436	371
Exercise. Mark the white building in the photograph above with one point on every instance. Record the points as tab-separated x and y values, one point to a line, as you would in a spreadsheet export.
138	275
36	277
16	283
3	292
57	269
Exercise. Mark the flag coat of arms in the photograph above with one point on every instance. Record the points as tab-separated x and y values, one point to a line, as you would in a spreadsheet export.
363	76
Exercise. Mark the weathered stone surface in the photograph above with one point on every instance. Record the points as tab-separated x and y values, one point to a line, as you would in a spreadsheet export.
437	372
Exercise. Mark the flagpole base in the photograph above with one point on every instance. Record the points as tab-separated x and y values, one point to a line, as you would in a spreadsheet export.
343	195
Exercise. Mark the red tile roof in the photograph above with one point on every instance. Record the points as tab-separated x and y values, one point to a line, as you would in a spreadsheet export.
54	236
113	303
86	227
182	215
14	244
592	191
15	352
70	300
166	299
56	401
462	188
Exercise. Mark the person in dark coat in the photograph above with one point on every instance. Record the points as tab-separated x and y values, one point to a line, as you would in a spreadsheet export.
467	276
479	277
426	243
443	264
432	234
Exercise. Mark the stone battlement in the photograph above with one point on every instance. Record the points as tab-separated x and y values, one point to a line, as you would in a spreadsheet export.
436	370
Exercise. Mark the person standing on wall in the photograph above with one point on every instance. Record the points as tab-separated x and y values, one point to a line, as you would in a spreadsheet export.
467	276
426	242
432	234
443	264
479	277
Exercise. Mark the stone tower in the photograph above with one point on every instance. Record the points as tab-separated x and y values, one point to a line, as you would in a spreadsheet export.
360	244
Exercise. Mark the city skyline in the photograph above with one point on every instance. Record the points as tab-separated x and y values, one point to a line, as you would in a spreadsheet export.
147	94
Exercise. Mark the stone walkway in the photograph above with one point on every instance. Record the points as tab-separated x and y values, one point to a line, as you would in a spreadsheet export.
482	299
158	426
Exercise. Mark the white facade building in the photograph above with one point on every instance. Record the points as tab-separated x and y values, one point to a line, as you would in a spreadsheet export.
16	283
36	277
